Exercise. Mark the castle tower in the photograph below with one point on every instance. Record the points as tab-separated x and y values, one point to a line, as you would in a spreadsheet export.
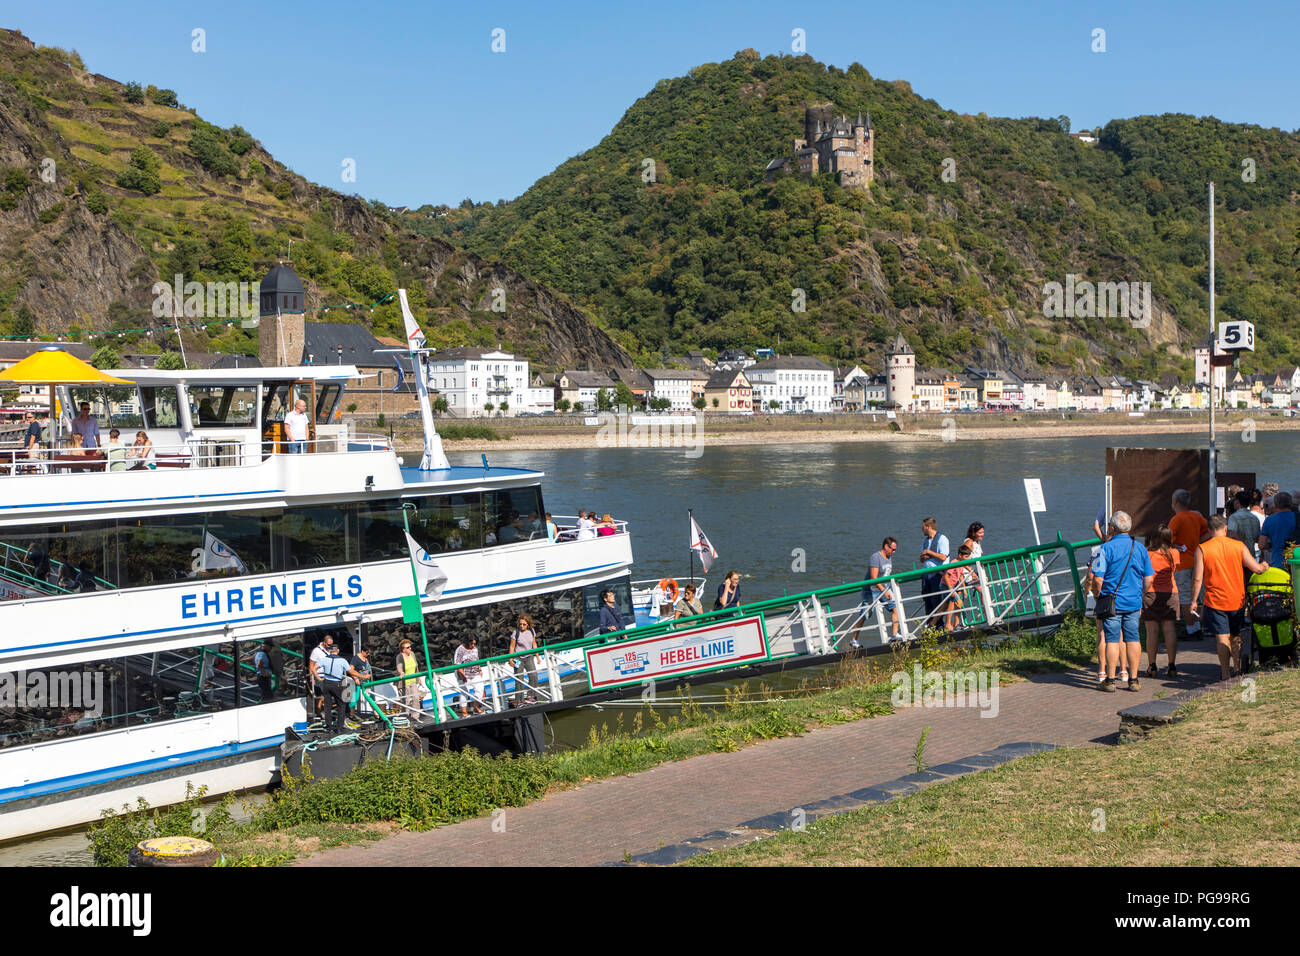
864	142
900	369
281	329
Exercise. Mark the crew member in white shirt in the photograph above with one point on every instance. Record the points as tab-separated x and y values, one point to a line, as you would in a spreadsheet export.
296	428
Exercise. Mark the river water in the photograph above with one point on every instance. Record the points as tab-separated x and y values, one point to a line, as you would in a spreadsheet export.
770	509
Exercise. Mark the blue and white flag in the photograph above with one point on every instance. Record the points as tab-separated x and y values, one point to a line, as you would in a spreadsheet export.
218	556
431	577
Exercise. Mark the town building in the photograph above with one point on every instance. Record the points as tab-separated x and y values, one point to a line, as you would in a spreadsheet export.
728	390
580	388
681	386
797	383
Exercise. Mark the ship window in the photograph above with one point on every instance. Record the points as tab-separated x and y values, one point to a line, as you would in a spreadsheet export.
223	406
319	537
326	401
513	514
161	409
383	534
112	407
447	522
160	549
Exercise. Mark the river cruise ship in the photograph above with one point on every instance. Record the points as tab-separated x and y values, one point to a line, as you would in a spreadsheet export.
139	586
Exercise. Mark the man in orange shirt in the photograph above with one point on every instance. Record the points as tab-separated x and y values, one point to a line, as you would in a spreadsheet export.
1218	564
1189	529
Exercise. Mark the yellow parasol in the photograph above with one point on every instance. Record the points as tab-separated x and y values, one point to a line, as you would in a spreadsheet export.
53	366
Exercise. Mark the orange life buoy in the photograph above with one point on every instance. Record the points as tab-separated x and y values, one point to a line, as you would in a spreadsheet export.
669	587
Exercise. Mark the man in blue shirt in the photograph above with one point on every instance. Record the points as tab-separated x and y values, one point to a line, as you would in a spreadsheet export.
934	552
1125	571
1277	528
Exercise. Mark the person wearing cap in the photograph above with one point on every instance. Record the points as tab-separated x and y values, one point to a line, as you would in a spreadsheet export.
333	670
315	662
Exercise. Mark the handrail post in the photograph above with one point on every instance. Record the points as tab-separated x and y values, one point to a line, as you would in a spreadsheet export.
904	631
986	599
553	676
1074	571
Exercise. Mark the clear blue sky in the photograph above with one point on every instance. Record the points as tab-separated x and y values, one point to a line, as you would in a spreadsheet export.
415	95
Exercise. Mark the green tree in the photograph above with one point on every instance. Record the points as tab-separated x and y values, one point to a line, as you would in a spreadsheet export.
488	407
623	395
142	173
208	144
133	92
504	406
699	402
563	405
106	357
440	405
603	402
170	362
24	323
164	97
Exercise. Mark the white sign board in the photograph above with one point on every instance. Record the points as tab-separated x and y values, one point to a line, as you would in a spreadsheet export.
1034	492
708	648
1236	336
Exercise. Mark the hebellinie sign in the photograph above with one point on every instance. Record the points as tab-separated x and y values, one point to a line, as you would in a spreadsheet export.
677	653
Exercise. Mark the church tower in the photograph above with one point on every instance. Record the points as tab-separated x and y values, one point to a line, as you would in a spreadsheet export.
900	369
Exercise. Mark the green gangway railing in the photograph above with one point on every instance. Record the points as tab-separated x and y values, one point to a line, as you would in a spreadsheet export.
1031	584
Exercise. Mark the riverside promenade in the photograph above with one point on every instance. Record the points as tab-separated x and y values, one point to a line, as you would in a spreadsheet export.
610	820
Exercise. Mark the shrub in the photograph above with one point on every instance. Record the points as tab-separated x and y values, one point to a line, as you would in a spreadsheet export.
422	792
164	97
160	129
133	92
112	838
208	144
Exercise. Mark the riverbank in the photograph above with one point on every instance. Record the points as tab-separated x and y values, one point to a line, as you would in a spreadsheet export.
1209	791
564	432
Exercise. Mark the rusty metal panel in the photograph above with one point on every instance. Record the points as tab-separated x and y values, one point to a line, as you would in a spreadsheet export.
1143	480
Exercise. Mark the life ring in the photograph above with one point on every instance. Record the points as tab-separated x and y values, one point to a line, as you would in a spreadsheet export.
669	587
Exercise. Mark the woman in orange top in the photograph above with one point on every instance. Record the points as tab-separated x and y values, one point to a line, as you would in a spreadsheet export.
1160	603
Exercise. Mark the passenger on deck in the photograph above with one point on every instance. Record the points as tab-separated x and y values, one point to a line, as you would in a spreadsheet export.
688	604
266	674
141	453
610	618
586	527
607	526
32	440
116	451
975	539
728	591
551	531
78	446
87	426
467	652
454	542
412	688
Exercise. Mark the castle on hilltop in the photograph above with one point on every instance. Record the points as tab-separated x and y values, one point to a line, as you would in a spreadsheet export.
831	144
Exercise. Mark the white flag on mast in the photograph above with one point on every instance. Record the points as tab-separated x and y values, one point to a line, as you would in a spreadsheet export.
427	572
218	556
701	544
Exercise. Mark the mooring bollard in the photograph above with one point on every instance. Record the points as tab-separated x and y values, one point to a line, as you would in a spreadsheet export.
174	851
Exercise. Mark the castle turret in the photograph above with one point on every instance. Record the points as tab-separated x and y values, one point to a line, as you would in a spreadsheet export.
900	368
281	331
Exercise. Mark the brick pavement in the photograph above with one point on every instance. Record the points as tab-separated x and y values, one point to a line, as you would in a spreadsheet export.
599	822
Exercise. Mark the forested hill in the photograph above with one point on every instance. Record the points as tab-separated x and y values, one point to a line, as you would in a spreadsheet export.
106	187
708	254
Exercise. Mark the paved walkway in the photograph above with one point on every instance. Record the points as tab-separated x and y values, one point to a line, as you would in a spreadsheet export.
635	814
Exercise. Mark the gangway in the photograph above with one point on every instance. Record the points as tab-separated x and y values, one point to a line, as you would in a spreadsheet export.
1022	589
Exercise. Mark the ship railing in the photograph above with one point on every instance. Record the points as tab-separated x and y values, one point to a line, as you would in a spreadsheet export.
199	452
1004	591
569	532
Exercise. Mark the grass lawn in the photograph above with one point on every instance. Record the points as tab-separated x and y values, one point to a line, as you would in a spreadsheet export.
1219	788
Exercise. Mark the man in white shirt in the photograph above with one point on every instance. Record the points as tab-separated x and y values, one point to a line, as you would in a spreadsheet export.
296	428
586	527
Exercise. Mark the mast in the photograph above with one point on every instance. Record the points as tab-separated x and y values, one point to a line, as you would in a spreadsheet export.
434	457
1213	348
690	537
